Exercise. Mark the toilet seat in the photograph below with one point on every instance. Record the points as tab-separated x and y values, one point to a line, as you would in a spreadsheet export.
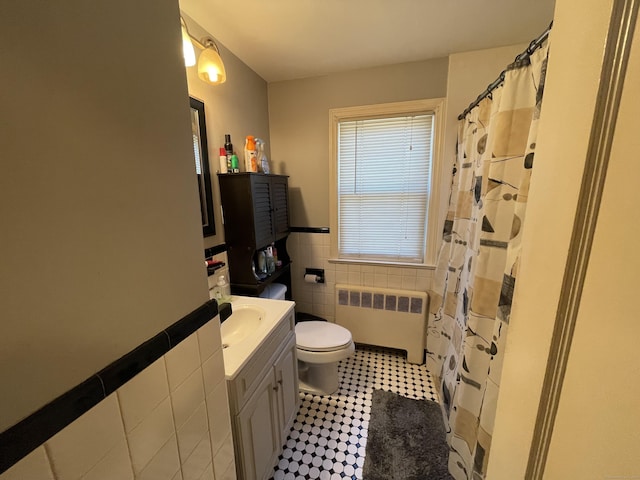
317	336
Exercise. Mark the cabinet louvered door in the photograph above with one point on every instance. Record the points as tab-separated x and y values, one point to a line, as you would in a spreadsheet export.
280	201
262	211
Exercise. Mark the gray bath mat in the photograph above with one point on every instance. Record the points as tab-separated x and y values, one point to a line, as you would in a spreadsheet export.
406	440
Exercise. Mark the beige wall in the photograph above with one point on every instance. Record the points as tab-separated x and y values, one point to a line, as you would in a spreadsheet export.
596	430
298	112
299	123
463	88
238	107
101	240
595	434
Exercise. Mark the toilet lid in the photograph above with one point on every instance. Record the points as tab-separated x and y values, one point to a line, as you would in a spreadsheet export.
321	336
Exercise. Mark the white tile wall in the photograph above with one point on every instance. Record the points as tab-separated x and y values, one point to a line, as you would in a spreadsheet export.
143	393
116	464
165	464
170	422
223	460
192	434
208	473
187	398
182	361
79	447
150	435
34	465
219	425
199	459
311	250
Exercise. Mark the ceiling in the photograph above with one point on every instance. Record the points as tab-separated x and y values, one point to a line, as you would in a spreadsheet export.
287	39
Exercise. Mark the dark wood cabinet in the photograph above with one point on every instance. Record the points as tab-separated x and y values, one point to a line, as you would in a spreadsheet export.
255	210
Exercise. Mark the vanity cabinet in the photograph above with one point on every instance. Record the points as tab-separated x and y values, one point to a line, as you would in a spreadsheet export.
256	214
264	400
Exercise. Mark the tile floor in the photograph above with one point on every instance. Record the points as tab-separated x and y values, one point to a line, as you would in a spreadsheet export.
329	436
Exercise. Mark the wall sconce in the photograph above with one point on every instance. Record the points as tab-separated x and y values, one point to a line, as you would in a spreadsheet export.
210	66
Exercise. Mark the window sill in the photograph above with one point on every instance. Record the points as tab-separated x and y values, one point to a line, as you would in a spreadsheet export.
381	263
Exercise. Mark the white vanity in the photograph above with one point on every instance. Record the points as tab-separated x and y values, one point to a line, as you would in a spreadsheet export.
259	348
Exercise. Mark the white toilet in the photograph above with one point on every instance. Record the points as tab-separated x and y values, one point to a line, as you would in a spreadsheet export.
320	346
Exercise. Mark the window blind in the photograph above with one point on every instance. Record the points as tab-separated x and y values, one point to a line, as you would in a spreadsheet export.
384	168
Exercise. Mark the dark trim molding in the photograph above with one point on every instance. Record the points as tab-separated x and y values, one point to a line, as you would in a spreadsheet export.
215	250
309	229
616	57
24	437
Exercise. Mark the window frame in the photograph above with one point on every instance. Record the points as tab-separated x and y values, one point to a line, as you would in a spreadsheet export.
434	106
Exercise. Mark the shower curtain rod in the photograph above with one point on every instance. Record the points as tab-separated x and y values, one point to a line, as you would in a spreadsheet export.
533	46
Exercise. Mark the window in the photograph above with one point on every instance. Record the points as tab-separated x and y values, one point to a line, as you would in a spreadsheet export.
383	164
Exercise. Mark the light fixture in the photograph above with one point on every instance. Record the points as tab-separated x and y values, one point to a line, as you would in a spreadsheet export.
210	66
187	47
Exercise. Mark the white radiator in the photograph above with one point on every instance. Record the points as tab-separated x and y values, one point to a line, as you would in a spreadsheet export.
384	317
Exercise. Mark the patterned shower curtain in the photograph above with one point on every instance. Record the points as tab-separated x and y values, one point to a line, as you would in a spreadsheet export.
479	259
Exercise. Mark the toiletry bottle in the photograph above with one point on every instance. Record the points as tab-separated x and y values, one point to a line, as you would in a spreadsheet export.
228	148
262	157
250	155
217	294
224	167
275	256
262	262
234	164
271	263
223	293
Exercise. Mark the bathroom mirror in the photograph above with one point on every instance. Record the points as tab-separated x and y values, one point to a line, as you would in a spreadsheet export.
201	157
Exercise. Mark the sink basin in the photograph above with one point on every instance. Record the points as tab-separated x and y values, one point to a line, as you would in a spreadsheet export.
244	321
252	320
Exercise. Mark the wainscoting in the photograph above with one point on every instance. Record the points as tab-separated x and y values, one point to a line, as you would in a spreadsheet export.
311	250
169	422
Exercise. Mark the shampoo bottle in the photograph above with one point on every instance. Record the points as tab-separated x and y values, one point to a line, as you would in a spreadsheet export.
250	155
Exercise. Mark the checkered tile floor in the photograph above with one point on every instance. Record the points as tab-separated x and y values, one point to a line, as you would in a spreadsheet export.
329	436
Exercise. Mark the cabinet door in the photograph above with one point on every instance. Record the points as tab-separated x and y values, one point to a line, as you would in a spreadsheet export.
237	204
286	370
258	425
280	201
262	210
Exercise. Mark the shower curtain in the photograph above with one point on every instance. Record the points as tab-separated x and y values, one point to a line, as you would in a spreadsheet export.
479	258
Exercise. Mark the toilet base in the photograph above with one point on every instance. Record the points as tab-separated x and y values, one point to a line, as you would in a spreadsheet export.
319	379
